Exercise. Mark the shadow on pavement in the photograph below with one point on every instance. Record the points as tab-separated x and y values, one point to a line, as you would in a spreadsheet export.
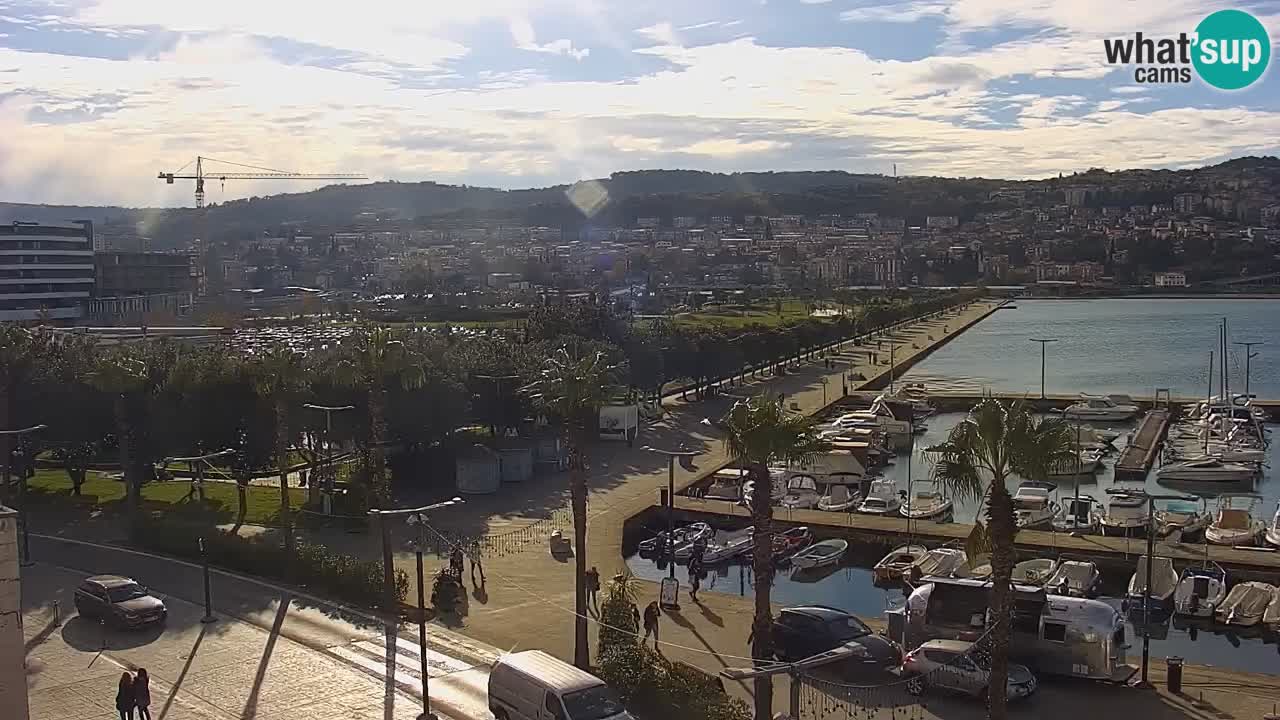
89	635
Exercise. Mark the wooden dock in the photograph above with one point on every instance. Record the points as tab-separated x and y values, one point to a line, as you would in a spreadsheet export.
1136	460
1108	552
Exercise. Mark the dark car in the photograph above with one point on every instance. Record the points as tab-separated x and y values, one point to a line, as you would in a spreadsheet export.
802	632
118	600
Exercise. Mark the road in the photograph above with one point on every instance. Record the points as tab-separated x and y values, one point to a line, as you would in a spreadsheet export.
270	654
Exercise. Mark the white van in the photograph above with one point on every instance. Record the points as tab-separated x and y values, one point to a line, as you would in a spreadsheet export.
532	685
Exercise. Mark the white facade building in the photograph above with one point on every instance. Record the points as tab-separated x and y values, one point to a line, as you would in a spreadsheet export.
45	271
1170	279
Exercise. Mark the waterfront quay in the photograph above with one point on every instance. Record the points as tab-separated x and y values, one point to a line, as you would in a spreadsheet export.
946	401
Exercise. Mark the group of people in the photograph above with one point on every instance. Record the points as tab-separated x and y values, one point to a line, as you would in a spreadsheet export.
456	559
133	693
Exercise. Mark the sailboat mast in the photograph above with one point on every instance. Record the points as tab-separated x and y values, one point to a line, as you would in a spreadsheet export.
1208	402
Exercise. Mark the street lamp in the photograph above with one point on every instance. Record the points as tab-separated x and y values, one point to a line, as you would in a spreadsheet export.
327	490
1151	548
414	516
823	382
671	501
1043	342
1248	355
22	490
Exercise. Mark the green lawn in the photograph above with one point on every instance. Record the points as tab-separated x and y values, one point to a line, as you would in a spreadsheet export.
262	507
735	316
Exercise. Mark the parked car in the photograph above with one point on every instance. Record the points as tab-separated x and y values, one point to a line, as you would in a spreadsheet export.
949	665
804	631
118	600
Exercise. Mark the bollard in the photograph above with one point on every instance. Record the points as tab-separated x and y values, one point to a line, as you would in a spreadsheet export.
1175	674
57	613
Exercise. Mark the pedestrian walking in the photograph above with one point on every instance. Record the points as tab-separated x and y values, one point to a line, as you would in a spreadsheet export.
651	614
635	616
142	694
476	563
593	588
124	697
694	583
455	561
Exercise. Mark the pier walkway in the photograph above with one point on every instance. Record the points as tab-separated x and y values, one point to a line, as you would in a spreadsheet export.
1136	460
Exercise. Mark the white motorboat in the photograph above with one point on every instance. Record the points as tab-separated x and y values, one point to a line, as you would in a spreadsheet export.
1110	408
882	499
1207	469
1164	581
1234	524
896	564
928	503
1200	591
1246	604
839	499
821	554
729	545
802	493
725	485
1184	517
777	488
1077	514
1085	463
939	562
1074	578
1126	515
1273	532
683	539
1035	572
1033	506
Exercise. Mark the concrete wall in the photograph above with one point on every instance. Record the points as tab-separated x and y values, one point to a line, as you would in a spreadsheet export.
13	668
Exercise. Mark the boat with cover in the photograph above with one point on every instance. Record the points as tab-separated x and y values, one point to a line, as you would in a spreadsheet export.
882	499
939	562
1187	517
928	503
802	493
1035	572
1246	604
1164	581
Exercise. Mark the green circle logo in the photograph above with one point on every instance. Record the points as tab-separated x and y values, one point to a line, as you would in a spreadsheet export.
1232	49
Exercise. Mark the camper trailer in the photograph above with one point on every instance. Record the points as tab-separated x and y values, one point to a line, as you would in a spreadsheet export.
1050	634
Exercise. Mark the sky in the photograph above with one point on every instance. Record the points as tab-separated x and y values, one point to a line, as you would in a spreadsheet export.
99	96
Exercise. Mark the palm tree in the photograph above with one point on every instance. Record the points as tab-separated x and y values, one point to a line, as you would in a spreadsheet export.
572	386
997	441
279	377
761	432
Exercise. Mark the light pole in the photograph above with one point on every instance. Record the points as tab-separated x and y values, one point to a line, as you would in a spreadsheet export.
671	500
414	516
22	491
204	572
497	389
327	490
1248	355
823	382
1043	342
1151	549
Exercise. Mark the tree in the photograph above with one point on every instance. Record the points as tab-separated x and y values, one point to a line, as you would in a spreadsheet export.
21	351
761	432
995	442
279	377
572	386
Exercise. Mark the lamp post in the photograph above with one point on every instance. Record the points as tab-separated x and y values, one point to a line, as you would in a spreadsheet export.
1151	548
328	411
1043	342
671	498
1248	355
22	492
823	382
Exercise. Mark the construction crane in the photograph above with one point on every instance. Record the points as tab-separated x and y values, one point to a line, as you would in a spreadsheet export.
257	173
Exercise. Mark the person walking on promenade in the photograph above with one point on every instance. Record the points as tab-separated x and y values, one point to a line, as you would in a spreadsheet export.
651	614
695	582
455	561
142	694
593	588
124	697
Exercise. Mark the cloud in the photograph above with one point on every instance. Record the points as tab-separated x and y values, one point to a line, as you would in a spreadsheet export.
558	47
661	32
907	12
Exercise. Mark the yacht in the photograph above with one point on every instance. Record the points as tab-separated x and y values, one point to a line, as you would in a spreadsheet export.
928	503
1234	524
1126	515
1200	591
1032	506
1207	469
1273	532
1110	408
802	493
1077	514
839	498
1074	578
882	499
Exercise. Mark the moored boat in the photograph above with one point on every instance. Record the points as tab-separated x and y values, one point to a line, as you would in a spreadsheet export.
938	562
928	503
1200	591
1032	505
897	563
1234	524
1074	578
821	554
682	539
1186	517
790	542
802	493
1126	515
882	499
1110	408
1077	514
1164	581
1035	572
1273	532
1207	470
729	545
1245	604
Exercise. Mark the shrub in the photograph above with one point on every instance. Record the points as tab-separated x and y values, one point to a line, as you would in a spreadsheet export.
617	621
652	686
315	566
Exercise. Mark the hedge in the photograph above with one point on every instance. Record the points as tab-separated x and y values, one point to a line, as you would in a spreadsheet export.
332	574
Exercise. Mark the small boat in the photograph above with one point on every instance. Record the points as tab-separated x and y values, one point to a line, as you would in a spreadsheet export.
979	569
821	554
939	562
1273	532
1085	463
1110	408
729	545
1209	469
1200	591
725	485
1034	572
1077	514
1271	618
1234	523
929	503
1032	506
1246	604
882	499
802	493
839	499
1126	515
791	542
1185	517
683	539
1074	578
896	564
1164	581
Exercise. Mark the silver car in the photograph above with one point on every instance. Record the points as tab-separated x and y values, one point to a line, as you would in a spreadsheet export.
950	665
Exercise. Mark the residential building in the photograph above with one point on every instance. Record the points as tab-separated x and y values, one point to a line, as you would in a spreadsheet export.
1170	279
1187	203
942	222
130	286
46	271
